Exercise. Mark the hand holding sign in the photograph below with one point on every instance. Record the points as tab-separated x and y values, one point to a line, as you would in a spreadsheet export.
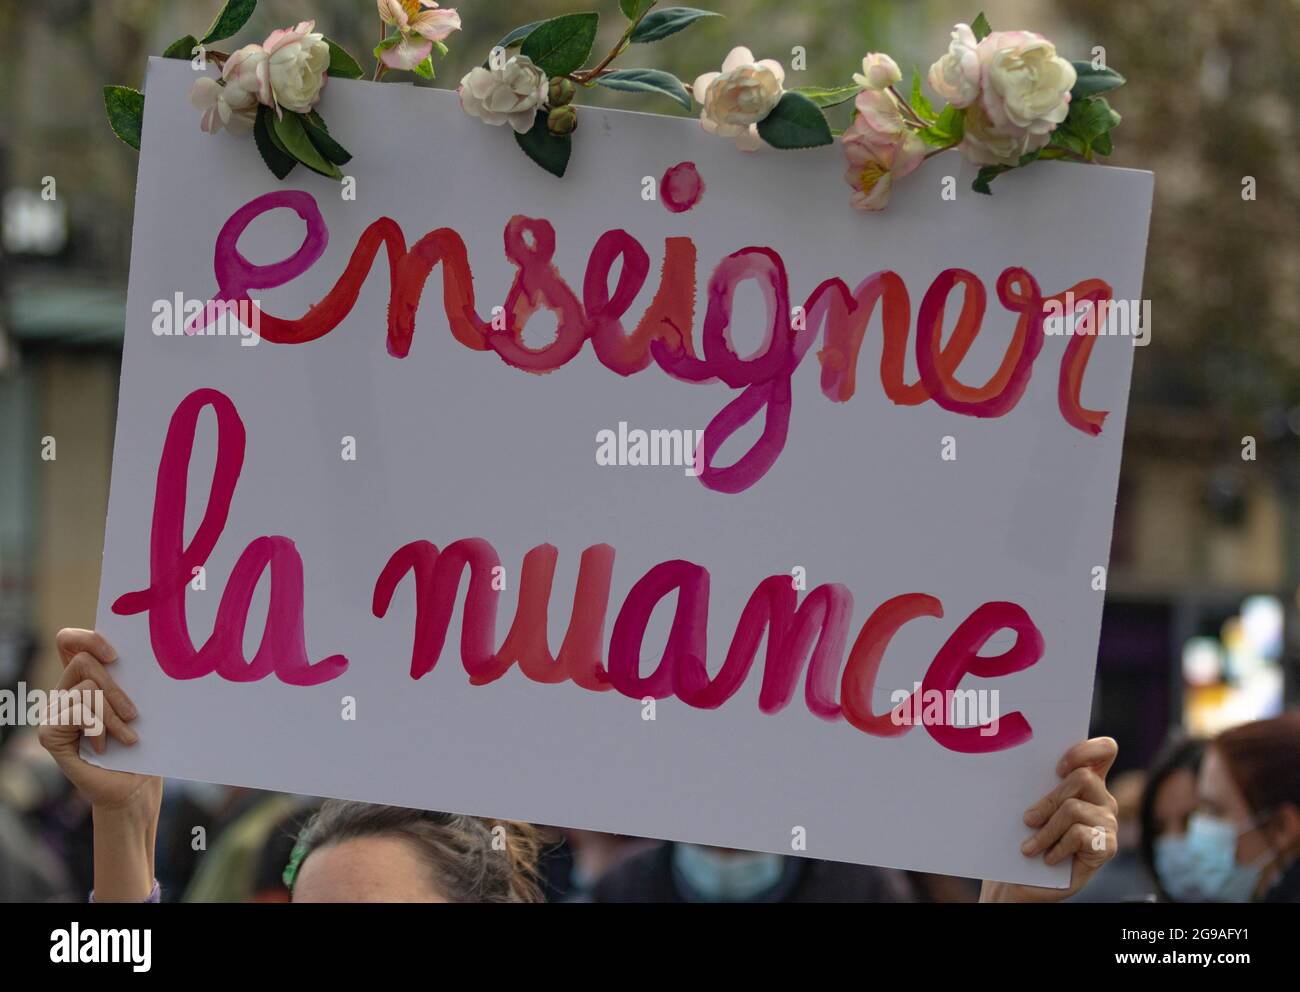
1074	824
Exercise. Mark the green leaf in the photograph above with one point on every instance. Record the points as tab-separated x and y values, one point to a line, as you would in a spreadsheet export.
343	65
425	69
1092	81
292	135
919	103
953	121
277	159
829	96
1092	117
515	37
947	129
982	29
181	48
550	151
795	122
233	16
320	137
1102	144
562	44
990	172
125	109
1061	138
1089	120
659	24
987	174
649	81
270	130
633	9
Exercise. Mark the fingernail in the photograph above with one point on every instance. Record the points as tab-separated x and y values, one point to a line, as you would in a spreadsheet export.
1027	848
129	712
131	735
1032	817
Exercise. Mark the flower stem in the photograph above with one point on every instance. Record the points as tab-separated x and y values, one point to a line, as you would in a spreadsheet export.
916	118
620	46
379	65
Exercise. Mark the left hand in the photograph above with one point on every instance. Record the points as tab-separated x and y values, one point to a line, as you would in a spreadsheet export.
1075	821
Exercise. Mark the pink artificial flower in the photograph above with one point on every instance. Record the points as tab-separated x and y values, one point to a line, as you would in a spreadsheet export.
222	106
248	70
879	113
876	159
420	23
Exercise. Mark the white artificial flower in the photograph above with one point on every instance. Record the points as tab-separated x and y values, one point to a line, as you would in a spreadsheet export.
510	95
1025	83
738	97
298	58
956	76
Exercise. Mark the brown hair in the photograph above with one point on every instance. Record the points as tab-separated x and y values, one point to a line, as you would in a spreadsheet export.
1263	759
470	859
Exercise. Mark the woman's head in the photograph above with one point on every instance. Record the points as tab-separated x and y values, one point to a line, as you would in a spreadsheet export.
1250	780
1168	801
356	852
1246	828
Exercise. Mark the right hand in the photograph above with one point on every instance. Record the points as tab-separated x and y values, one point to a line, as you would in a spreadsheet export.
86	656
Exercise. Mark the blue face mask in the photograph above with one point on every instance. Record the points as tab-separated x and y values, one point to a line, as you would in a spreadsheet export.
1201	866
717	877
1175	869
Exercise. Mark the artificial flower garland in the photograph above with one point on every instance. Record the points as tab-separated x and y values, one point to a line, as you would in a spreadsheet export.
1008	98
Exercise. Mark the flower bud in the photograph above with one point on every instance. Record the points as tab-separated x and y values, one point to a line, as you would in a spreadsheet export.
561	91
562	120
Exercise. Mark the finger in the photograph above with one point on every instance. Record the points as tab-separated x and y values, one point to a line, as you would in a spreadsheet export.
72	641
1098	753
73	713
99	718
1093	843
1070	812
58	737
1082	783
86	666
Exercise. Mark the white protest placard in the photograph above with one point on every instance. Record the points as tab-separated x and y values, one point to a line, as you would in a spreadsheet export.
440	537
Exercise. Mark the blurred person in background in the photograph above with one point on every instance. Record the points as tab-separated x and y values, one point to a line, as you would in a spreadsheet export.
31	866
33	808
1168	803
1066	823
1243	842
251	824
595	855
677	872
